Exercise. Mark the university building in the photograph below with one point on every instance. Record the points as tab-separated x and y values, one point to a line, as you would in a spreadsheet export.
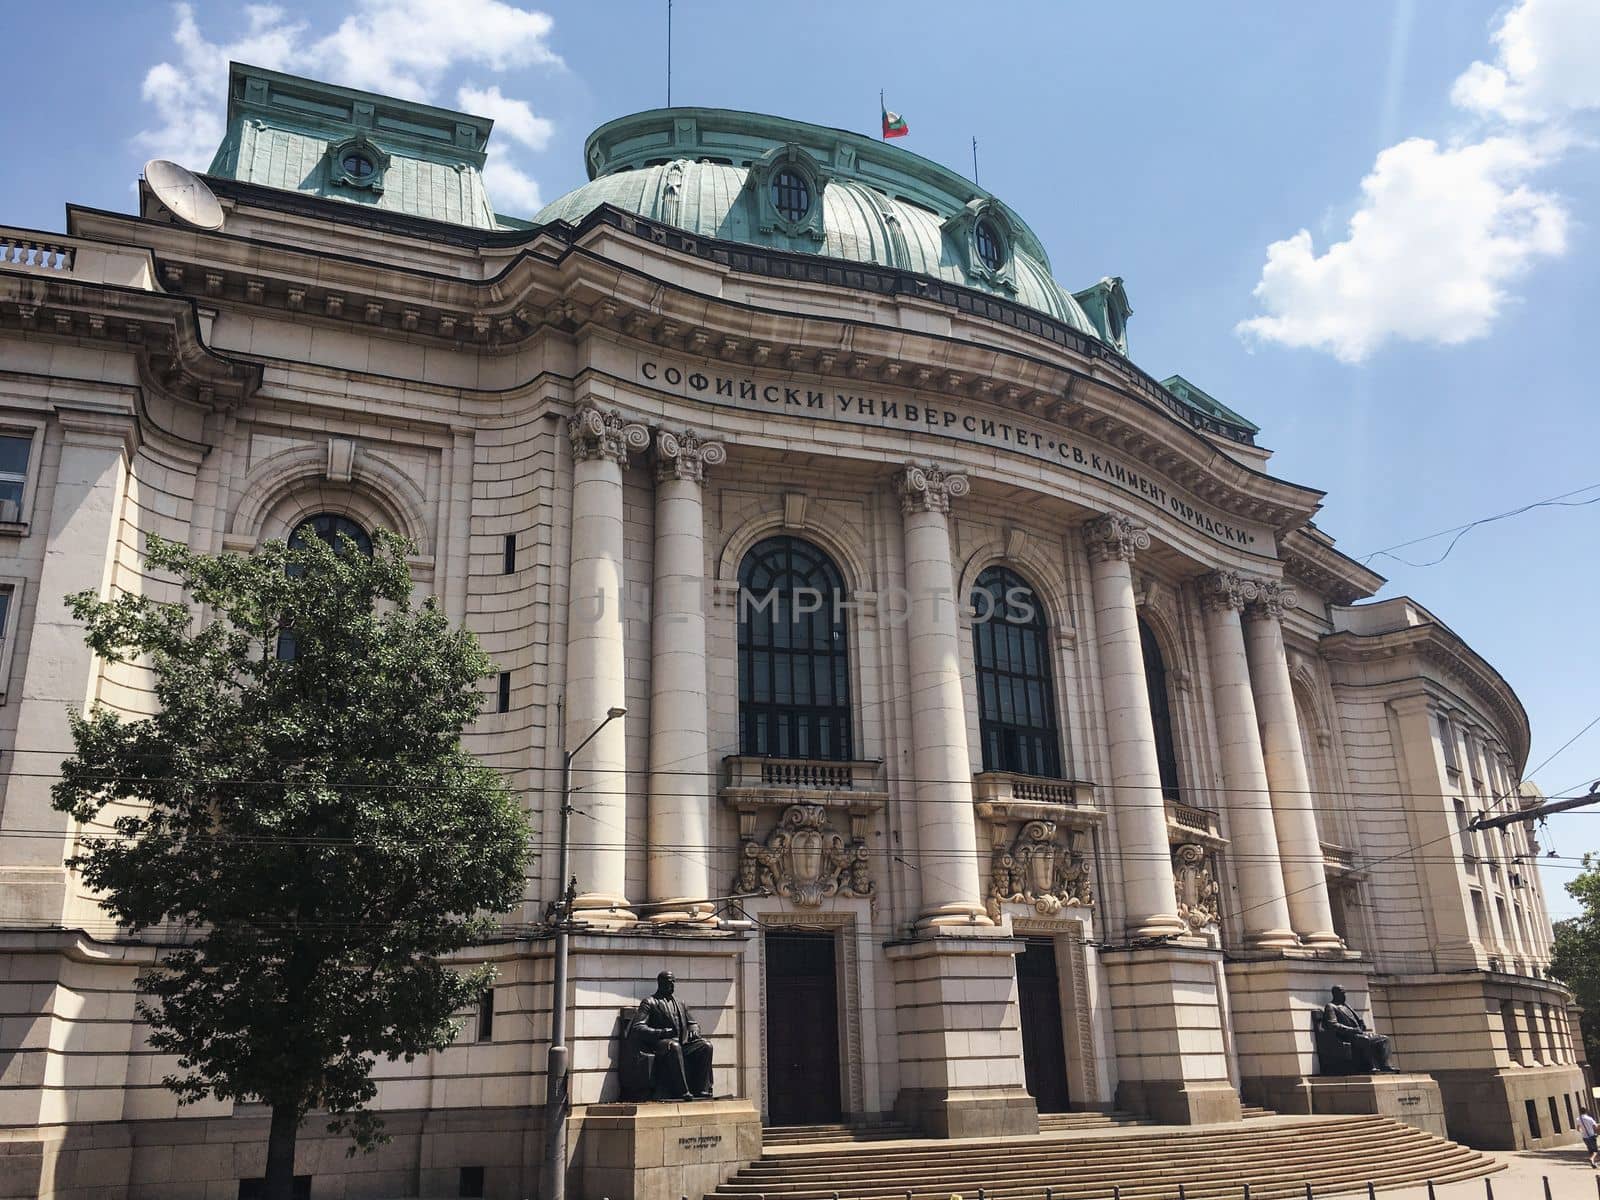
1002	737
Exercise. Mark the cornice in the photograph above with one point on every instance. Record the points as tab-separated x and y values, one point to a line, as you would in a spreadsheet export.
1309	558
1436	644
161	332
562	281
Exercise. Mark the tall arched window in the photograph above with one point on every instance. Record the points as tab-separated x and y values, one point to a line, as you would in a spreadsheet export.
328	527
794	677
1016	698
1155	680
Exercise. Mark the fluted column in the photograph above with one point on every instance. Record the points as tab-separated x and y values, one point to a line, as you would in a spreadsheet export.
1244	772
596	678
941	769
1293	813
680	791
1148	894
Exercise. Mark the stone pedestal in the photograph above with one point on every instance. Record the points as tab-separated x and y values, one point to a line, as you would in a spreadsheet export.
1414	1099
1272	1000
1172	1053
659	1151
960	1037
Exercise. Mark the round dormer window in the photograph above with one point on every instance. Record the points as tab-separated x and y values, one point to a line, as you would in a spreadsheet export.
791	195
991	249
357	165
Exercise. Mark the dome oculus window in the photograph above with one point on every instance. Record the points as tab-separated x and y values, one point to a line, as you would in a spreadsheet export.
358	165
791	195
991	248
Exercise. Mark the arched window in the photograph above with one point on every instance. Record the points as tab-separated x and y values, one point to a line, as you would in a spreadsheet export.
1016	698
328	527
1155	680
794	677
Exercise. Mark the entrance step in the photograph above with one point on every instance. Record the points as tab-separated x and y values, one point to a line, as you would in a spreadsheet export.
1072	1122
811	1135
1277	1156
1252	1112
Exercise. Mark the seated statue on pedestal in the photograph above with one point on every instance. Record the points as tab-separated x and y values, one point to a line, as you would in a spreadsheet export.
1345	1046
663	1055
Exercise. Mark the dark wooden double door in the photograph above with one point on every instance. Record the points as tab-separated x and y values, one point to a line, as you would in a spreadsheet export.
802	1029
1044	1051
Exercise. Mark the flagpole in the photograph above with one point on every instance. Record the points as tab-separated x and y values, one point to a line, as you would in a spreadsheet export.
883	134
669	53
974	160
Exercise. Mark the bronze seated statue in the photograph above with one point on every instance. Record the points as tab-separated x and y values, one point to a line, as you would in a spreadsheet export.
1345	1046
664	1056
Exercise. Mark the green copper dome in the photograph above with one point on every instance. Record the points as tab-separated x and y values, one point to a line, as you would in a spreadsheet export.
742	177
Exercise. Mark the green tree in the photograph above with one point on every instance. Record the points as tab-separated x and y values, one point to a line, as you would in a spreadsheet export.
1576	961
300	820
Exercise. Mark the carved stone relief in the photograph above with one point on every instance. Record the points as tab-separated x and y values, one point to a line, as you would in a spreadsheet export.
1194	870
805	860
1039	868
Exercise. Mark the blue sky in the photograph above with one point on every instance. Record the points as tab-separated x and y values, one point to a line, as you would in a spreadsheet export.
1418	352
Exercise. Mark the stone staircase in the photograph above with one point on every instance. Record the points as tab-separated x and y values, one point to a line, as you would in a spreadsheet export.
1251	1112
812	1135
1074	1122
1277	1156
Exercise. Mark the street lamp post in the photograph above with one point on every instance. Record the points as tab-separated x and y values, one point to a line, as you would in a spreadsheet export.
558	1060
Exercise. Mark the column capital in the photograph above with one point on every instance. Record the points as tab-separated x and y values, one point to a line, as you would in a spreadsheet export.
684	456
1113	536
1272	599
604	433
928	488
1226	590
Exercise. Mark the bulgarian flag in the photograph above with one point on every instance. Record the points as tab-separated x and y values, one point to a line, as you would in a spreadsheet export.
894	125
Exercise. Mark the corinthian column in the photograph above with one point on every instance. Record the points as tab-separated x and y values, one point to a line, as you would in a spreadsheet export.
940	766
680	790
1293	814
1149	898
596	679
1223	595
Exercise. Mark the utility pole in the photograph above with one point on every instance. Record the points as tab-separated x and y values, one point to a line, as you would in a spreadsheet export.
557	1102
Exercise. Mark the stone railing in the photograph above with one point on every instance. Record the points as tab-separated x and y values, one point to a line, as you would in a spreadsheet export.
1201	820
1340	858
1006	795
29	252
765	782
18	250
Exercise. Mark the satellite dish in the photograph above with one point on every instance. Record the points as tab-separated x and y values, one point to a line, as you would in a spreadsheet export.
184	193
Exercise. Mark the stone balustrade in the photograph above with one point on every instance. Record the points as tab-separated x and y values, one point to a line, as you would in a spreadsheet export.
765	782
29	252
18	249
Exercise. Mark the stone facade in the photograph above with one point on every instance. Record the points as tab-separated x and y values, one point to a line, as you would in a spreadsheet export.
586	429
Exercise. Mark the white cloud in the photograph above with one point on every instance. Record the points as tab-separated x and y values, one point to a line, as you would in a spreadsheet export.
402	48
1547	63
1441	232
512	118
512	191
1427	257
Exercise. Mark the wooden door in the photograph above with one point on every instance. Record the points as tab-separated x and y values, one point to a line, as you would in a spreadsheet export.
802	1029
1044	1052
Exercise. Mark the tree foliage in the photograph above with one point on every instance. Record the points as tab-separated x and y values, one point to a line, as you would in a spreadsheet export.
308	828
1576	961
